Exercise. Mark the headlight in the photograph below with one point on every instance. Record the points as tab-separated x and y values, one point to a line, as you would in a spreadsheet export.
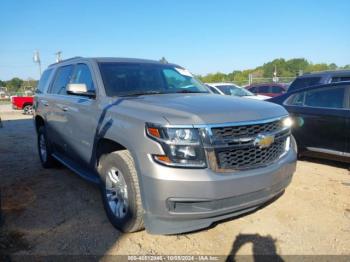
287	122
182	146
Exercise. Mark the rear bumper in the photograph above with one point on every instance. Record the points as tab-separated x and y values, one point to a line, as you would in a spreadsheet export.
182	200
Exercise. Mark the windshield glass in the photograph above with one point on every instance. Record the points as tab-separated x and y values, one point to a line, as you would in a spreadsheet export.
232	90
124	79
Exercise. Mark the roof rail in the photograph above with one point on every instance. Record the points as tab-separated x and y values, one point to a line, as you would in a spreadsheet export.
65	60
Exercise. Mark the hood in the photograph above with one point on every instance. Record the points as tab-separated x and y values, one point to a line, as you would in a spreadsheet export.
195	109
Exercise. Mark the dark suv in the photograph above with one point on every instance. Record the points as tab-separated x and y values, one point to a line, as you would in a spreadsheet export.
312	79
321	116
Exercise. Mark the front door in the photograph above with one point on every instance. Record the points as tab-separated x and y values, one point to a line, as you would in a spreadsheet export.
82	118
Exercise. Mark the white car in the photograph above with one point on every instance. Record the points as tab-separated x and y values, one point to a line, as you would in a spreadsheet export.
233	90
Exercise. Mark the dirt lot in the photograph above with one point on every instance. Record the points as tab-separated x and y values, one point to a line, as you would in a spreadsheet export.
56	212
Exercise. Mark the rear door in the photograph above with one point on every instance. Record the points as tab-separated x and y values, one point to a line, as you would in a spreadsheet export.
321	118
55	102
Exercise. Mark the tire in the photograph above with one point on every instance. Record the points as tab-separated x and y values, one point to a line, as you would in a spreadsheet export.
47	161
28	110
120	191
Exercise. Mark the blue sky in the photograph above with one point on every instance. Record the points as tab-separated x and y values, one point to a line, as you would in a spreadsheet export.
204	36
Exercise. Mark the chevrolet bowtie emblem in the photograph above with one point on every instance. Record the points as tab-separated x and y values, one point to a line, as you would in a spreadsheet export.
264	141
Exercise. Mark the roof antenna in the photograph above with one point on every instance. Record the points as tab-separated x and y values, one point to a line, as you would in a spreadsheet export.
58	56
163	60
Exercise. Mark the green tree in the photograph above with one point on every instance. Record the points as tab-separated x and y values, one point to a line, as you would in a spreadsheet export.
14	84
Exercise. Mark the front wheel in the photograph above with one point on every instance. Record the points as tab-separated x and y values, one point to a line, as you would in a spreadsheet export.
120	191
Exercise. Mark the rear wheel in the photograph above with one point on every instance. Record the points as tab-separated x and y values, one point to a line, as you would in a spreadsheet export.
44	149
120	191
28	110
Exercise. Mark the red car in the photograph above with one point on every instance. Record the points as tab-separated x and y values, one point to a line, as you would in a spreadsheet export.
24	103
267	89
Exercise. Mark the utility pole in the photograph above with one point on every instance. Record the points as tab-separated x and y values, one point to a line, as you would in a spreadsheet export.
36	59
275	78
58	56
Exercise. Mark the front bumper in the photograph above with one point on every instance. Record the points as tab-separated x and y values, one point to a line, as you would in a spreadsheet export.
181	200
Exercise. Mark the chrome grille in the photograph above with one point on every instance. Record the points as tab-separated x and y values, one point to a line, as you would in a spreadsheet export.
245	131
249	157
235	148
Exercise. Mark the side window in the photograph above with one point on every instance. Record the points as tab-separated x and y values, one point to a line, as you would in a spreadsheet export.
264	89
254	89
340	78
62	78
82	75
331	97
296	99
213	90
43	81
276	89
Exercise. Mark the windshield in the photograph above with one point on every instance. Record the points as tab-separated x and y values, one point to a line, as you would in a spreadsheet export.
232	90
127	79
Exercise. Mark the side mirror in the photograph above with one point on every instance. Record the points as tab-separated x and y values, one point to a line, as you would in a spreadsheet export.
80	90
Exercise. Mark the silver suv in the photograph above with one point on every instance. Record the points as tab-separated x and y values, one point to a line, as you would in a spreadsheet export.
167	154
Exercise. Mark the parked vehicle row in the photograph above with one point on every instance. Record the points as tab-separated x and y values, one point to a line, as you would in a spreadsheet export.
167	153
233	90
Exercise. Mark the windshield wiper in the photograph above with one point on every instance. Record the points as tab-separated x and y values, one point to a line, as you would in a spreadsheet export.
142	93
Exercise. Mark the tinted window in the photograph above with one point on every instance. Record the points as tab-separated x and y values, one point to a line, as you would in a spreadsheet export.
330	97
132	78
62	78
44	81
276	89
304	82
82	75
264	89
253	89
340	78
296	99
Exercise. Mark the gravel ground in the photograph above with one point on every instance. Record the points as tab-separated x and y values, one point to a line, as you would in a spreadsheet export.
51	212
